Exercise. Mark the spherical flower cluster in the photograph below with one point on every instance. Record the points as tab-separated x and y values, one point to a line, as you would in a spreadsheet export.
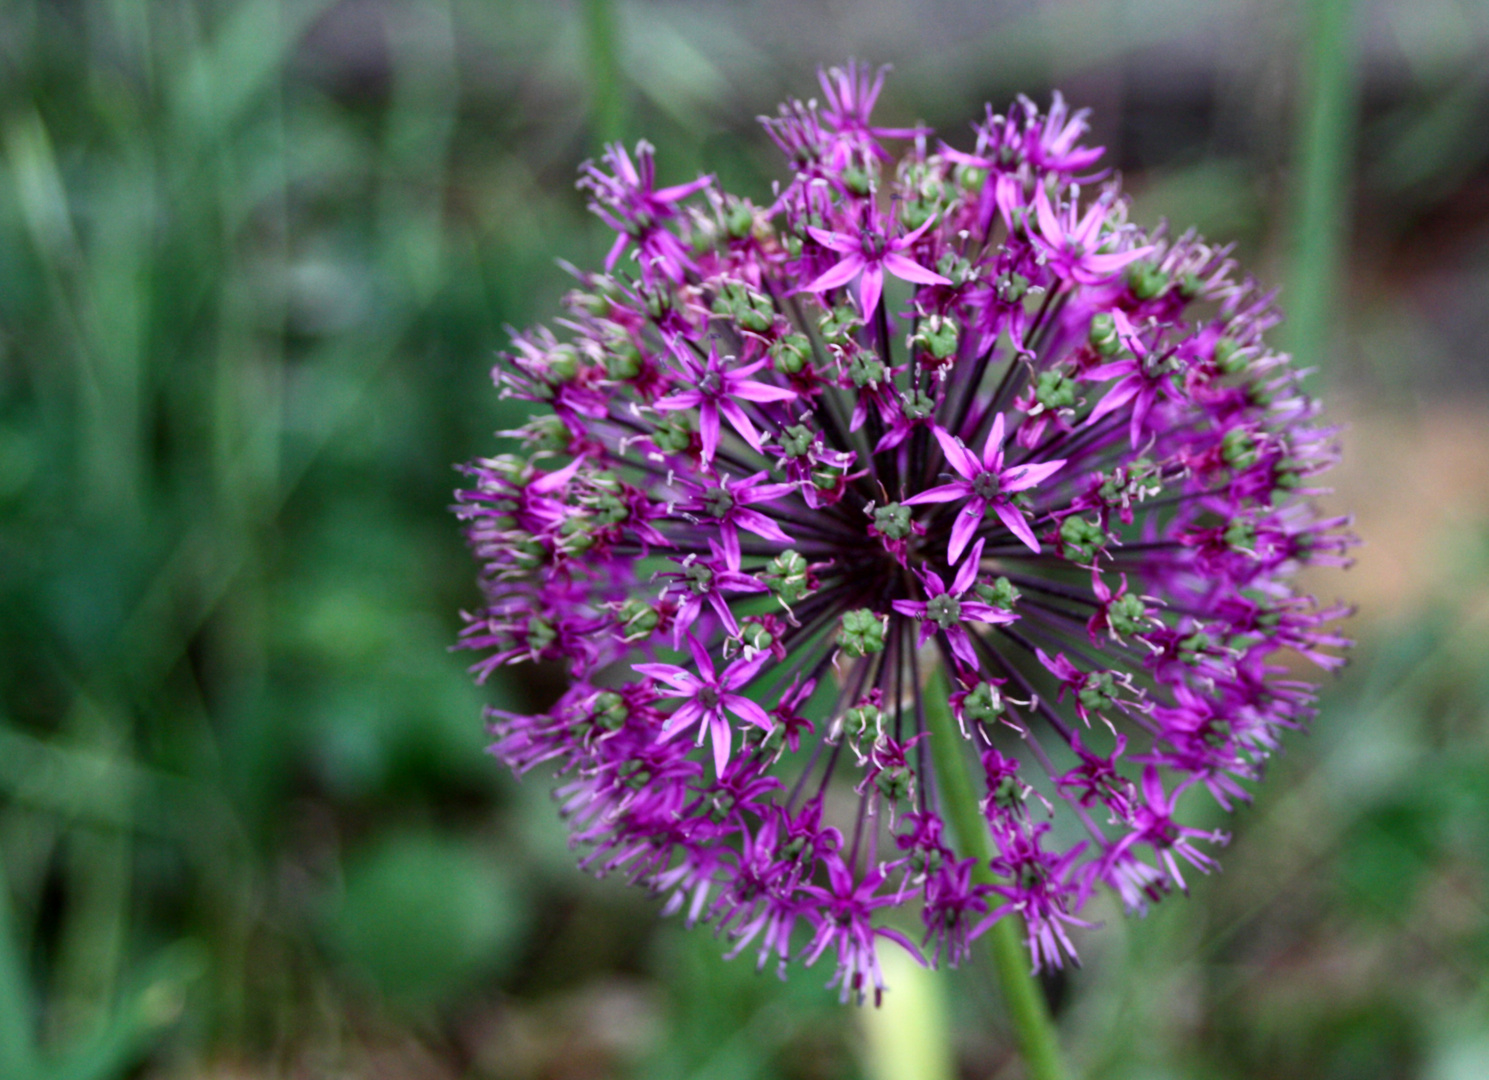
949	410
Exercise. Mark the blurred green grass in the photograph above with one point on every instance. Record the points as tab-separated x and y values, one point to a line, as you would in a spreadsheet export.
256	257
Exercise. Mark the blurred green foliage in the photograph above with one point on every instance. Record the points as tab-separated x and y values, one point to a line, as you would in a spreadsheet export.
256	257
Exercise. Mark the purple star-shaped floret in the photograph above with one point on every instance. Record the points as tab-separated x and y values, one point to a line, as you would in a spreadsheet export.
1135	383
984	482
715	388
630	202
708	697
850	95
1073	245
706	581
944	609
871	252
730	503
844	921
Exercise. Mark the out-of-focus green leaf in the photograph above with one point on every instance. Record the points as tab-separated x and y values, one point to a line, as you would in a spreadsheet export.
422	915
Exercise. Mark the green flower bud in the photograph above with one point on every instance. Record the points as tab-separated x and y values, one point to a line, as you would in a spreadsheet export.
623	360
1011	287
970	178
577	534
894	782
1238	449
1103	335
548	433
563	365
839	325
857	180
658	301
917	212
608	710
1227	358
1008	794
918	405
826	477
1193	648
673	433
1145	280
540	634
754	311
739	219
1240	534
756	635
718	502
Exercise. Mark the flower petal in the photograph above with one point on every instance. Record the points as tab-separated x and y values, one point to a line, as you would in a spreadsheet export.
968	572
740	422
747	710
838	276
750	390
961	647
837	241
910	270
723	736
957	455
701	658
1017	524
967	524
760	525
870	288
670	674
945	493
1023	477
708	428
994	440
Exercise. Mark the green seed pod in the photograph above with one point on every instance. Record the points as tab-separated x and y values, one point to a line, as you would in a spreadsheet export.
984	704
862	633
638	619
789	354
893	520
1000	594
1127	614
1054	390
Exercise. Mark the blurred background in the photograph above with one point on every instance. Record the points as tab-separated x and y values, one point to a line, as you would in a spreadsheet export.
256	258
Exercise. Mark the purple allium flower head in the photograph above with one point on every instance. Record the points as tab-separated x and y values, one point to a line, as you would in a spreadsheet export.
1036	445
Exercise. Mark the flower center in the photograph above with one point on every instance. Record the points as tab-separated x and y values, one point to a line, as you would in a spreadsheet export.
944	610
986	486
700	578
711	384
708	697
719	502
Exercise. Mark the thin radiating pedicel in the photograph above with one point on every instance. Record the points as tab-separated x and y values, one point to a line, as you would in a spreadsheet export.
943	408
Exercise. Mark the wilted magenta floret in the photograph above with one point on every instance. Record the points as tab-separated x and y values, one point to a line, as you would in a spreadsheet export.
951	409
